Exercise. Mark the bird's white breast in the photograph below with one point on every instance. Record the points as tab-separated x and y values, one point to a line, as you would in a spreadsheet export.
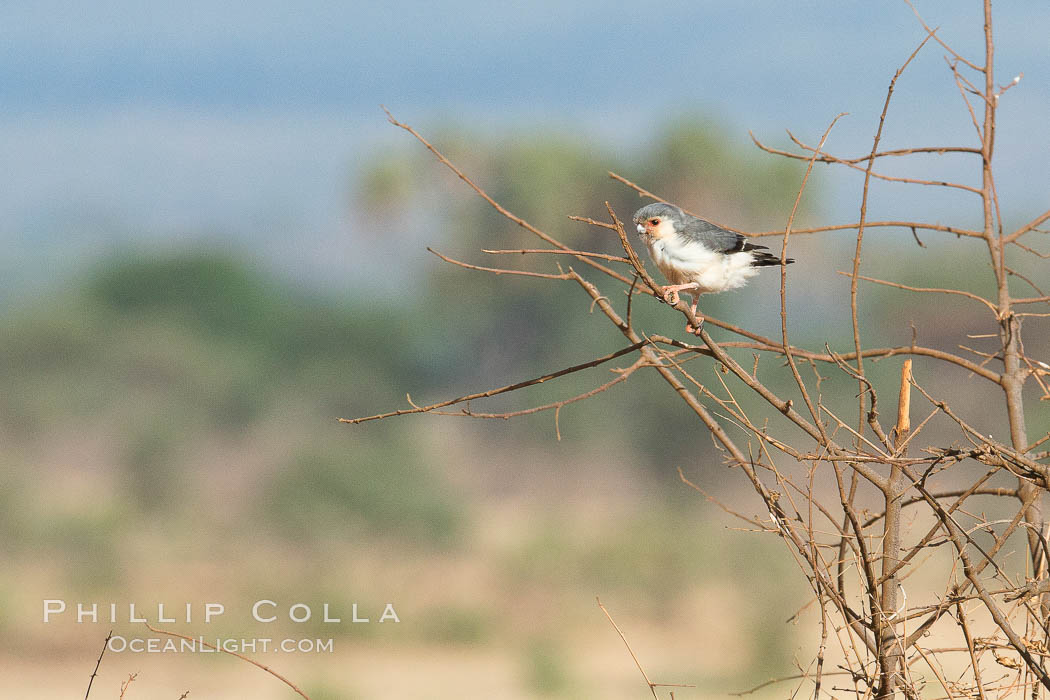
683	262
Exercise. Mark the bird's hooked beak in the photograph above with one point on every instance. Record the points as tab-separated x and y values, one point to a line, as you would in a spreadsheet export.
641	229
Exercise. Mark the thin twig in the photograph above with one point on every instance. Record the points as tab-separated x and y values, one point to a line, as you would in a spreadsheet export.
98	663
652	686
934	290
501	270
233	653
501	390
493	203
127	684
578	253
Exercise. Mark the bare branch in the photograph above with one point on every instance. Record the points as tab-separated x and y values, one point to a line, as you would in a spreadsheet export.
895	510
269	670
854	166
523	251
501	390
873	224
501	270
1030	226
905	287
783	287
933	33
652	686
105	645
493	203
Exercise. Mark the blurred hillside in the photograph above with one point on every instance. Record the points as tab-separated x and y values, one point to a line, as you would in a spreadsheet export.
176	412
169	418
170	424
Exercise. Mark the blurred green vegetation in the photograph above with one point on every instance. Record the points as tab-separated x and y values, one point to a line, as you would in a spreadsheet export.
457	625
163	353
322	491
629	556
546	668
189	399
323	690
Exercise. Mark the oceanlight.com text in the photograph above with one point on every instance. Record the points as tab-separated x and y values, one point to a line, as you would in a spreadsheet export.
199	645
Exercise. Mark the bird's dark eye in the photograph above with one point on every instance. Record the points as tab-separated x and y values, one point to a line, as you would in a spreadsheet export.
654	222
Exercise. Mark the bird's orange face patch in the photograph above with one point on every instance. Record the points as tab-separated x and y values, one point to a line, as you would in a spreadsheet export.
656	227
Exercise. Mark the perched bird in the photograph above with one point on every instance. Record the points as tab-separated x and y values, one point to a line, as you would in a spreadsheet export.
696	255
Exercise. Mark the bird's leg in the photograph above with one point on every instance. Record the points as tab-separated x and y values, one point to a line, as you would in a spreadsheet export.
689	328
670	292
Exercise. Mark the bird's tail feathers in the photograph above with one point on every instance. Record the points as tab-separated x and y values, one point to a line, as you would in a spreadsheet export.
763	259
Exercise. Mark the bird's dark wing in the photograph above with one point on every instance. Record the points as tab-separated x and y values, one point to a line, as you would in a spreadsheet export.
715	237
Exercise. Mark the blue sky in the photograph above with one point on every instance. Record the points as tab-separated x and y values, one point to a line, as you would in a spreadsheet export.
167	121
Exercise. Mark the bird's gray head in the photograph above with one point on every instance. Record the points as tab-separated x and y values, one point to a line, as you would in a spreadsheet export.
658	220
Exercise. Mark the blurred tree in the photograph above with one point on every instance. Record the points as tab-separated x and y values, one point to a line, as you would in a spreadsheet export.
196	348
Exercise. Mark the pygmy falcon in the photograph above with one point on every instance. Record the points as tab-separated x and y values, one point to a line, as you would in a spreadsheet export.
696	255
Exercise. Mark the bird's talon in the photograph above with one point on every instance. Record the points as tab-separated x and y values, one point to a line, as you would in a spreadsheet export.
671	296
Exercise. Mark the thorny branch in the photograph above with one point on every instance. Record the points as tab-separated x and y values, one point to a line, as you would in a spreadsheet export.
862	507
